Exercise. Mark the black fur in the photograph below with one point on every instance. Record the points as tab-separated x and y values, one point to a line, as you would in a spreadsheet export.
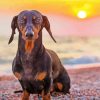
39	60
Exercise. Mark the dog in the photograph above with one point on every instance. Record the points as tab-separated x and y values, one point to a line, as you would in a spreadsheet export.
39	70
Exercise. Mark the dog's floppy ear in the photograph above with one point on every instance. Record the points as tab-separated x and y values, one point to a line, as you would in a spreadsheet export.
13	27
46	24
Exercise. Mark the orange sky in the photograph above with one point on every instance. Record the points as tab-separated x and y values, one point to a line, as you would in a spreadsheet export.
60	12
66	7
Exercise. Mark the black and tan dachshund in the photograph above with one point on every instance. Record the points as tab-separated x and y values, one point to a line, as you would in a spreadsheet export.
38	69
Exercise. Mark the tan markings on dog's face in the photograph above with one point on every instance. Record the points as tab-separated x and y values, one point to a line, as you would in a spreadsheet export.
40	76
25	95
36	31
60	86
22	26
34	17
29	45
18	75
24	17
23	30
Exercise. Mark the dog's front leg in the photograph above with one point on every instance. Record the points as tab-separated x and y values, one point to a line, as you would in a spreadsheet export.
25	95
46	96
46	92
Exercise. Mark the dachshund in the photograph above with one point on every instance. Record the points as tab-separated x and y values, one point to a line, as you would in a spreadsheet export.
39	70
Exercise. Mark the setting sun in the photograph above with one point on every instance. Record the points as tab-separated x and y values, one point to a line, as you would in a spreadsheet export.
82	14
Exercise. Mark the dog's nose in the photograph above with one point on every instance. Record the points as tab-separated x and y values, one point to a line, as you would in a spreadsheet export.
29	35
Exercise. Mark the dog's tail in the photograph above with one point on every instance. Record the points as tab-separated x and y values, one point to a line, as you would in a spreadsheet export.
19	91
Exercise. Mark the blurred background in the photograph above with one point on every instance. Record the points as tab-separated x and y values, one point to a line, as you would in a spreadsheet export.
75	25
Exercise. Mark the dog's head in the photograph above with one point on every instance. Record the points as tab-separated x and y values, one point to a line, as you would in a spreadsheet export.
29	24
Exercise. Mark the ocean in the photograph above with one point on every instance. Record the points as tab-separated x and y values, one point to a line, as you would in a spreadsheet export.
74	52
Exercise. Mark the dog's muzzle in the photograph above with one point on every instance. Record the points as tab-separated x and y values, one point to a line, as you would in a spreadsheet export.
29	33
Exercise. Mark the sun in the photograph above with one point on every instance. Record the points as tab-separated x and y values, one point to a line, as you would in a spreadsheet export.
82	14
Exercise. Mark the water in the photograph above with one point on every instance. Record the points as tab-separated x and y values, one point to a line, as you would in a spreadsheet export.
72	51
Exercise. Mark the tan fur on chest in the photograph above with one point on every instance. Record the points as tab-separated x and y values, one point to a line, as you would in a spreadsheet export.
40	76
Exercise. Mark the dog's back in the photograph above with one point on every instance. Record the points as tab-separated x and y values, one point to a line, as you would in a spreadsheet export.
60	74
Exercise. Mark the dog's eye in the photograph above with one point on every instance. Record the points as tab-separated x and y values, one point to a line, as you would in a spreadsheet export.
23	20
36	20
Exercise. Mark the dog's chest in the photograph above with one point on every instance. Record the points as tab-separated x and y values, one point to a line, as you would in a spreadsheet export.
33	86
34	82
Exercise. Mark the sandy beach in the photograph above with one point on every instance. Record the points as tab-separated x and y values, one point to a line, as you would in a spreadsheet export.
85	85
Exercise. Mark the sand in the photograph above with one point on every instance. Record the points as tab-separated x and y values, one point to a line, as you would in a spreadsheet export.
85	85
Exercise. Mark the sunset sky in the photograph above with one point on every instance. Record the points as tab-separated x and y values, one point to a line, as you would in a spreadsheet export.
67	17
